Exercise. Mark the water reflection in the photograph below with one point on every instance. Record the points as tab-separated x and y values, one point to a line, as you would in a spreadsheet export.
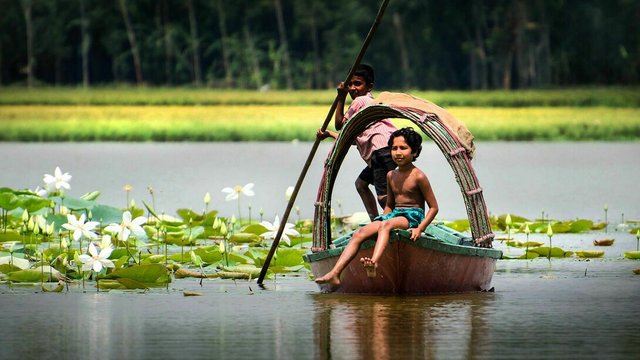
375	327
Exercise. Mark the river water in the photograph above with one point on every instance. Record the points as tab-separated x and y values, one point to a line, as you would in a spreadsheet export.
562	308
563	180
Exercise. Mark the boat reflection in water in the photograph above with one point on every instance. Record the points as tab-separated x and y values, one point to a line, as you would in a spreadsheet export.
383	327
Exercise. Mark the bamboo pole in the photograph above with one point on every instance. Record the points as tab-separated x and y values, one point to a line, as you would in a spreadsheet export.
314	148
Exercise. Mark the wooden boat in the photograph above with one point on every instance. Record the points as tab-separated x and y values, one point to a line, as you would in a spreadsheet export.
442	260
603	242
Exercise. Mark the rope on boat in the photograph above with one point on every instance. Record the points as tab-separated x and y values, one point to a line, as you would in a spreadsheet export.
455	154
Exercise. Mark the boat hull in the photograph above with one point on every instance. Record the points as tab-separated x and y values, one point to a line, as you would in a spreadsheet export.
428	266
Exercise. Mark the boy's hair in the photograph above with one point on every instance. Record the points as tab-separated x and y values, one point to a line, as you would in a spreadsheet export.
366	71
413	139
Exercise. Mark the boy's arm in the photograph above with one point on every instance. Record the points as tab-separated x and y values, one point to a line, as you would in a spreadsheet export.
326	134
339	114
432	203
390	202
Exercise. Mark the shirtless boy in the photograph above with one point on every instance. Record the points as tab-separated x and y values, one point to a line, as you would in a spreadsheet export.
407	191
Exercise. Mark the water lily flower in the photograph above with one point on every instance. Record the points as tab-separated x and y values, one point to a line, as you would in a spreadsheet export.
42	192
207	198
95	260
234	193
58	180
124	229
105	242
273	230
288	193
81	228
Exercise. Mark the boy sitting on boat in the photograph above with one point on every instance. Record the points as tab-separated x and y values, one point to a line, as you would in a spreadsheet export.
408	189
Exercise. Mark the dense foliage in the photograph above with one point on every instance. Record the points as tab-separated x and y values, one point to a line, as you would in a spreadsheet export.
285	44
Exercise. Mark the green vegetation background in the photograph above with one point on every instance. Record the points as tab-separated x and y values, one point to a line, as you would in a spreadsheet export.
189	114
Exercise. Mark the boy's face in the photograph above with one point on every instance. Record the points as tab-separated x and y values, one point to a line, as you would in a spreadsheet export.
358	86
401	152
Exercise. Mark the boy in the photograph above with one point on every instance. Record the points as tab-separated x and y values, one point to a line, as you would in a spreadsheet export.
408	190
372	143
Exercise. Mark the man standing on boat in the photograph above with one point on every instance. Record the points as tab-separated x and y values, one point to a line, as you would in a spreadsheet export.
372	143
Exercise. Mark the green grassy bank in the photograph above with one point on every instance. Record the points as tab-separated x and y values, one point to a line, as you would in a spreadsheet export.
130	114
584	96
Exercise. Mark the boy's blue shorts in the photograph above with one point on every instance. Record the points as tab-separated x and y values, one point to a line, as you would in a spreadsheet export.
413	214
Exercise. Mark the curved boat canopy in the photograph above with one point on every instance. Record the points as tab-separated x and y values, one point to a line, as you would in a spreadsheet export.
452	138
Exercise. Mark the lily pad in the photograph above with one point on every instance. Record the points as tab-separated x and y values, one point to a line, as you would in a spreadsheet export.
555	252
581	225
529	255
590	253
47	274
74	203
33	203
244	238
8	200
635	255
106	214
289	257
251	270
148	274
256	229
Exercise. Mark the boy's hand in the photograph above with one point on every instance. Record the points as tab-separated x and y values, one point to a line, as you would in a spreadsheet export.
342	89
415	234
321	135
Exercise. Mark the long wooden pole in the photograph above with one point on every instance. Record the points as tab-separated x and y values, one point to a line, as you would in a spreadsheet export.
314	148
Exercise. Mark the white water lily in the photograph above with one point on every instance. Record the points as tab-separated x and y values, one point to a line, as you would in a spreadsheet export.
273	230
81	228
58	180
42	192
124	229
288	193
234	193
105	242
95	260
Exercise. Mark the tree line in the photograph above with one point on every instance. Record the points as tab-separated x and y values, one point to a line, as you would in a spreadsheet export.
310	44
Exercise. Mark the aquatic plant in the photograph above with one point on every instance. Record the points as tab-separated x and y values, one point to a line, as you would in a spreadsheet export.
275	226
235	192
80	228
58	180
96	261
589	253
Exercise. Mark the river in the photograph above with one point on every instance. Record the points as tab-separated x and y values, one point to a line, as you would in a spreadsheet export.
563	180
563	308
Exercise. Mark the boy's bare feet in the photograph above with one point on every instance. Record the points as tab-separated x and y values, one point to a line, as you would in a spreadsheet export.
330	279
369	266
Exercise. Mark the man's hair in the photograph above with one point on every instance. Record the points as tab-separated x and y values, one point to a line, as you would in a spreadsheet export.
413	139
366	71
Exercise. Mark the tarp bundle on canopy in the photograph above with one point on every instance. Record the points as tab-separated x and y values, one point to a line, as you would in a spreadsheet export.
457	127
449	134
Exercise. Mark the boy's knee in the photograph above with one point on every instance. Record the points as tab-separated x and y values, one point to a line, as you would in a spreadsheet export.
386	226
361	185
